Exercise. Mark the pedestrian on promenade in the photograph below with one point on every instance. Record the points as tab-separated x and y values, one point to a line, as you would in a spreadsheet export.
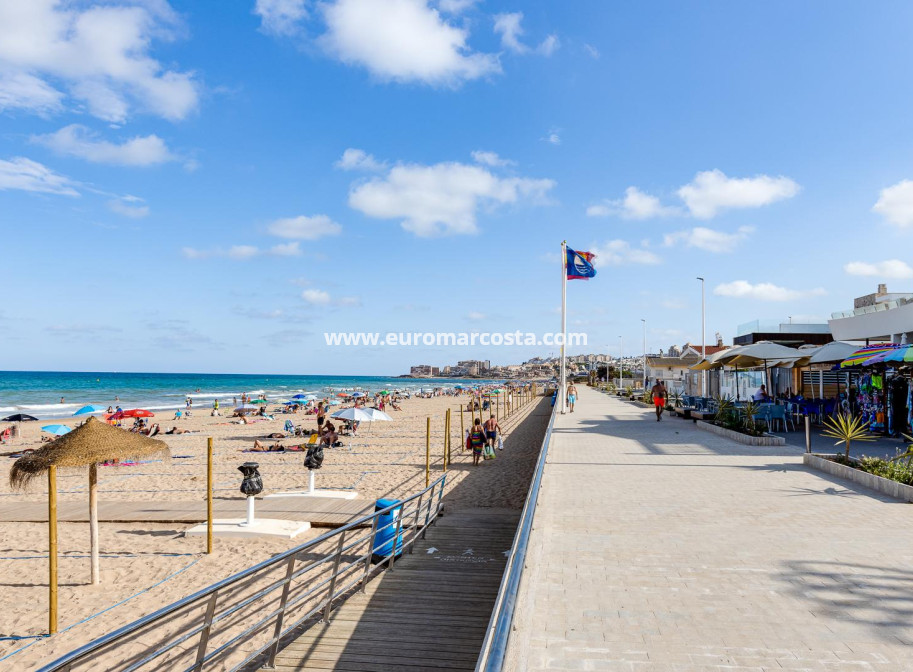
659	398
571	397
491	431
476	440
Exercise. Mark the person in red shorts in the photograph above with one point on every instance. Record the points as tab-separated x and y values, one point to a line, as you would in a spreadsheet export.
659	398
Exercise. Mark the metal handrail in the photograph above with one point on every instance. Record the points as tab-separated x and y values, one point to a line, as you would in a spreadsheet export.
321	586
494	646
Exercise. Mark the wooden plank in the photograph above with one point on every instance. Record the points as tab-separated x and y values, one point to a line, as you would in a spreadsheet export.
429	613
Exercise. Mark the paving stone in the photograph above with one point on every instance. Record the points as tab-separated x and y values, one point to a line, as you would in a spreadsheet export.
658	547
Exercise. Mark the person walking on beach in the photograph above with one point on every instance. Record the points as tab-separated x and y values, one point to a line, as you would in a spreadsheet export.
491	431
477	440
659	398
571	397
321	415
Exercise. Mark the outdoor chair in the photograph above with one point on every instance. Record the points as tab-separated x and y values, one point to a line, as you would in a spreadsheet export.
778	414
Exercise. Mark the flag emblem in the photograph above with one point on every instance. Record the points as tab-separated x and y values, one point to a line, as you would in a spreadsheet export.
580	265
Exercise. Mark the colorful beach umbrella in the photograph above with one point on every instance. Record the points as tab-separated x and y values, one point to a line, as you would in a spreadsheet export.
59	430
258	401
902	354
862	355
302	396
91	408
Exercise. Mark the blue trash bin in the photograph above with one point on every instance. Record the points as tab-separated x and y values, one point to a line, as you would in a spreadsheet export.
554	397
386	529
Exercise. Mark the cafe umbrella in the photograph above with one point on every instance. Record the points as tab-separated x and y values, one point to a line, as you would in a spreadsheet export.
88	445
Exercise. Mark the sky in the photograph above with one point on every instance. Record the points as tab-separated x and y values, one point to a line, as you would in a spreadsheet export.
210	187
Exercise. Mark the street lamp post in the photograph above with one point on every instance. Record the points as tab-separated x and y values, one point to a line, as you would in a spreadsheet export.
645	352
621	363
703	340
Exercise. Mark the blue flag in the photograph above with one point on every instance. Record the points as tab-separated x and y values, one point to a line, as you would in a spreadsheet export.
579	265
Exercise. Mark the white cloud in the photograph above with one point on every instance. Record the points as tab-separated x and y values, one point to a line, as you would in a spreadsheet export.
635	205
712	191
317	297
895	203
26	175
620	253
549	45
98	54
708	239
508	27
592	51
129	206
476	316
442	198
455	6
20	90
244	252
349	301
304	228
763	291
358	159
79	141
402	40
491	159
892	268
292	249
281	17
553	138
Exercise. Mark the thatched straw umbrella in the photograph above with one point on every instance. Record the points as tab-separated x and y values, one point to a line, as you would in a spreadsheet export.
86	446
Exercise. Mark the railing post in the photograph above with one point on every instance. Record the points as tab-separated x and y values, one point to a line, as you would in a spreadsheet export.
399	527
369	554
274	649
329	607
418	509
808	434
204	633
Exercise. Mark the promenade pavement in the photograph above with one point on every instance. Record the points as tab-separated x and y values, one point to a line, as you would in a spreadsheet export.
658	547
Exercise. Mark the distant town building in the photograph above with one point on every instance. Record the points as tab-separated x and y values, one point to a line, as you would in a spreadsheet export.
424	371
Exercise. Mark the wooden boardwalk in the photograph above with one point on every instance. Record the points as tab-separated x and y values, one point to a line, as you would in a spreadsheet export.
429	613
319	511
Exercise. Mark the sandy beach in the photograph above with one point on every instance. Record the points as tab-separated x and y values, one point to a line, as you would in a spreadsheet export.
146	566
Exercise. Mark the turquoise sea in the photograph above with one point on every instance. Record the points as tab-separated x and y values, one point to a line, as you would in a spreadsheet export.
39	393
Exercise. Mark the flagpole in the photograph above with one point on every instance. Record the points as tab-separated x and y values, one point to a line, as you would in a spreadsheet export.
562	388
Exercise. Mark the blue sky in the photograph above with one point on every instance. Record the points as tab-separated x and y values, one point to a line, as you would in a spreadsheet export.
202	186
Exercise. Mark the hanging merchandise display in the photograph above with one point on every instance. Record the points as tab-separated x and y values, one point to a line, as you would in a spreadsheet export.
870	400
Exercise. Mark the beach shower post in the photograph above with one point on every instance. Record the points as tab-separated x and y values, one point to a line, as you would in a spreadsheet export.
251	486
428	452
209	495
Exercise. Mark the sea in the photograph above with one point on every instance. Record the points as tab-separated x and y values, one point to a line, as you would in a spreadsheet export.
58	394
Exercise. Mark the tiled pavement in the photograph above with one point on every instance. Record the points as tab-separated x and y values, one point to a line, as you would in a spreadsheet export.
657	547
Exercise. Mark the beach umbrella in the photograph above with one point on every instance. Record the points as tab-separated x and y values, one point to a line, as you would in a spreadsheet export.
59	430
258	401
353	414
384	393
91	408
377	414
244	409
19	417
902	354
114	416
863	354
301	396
333	402
138	413
86	446
343	394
